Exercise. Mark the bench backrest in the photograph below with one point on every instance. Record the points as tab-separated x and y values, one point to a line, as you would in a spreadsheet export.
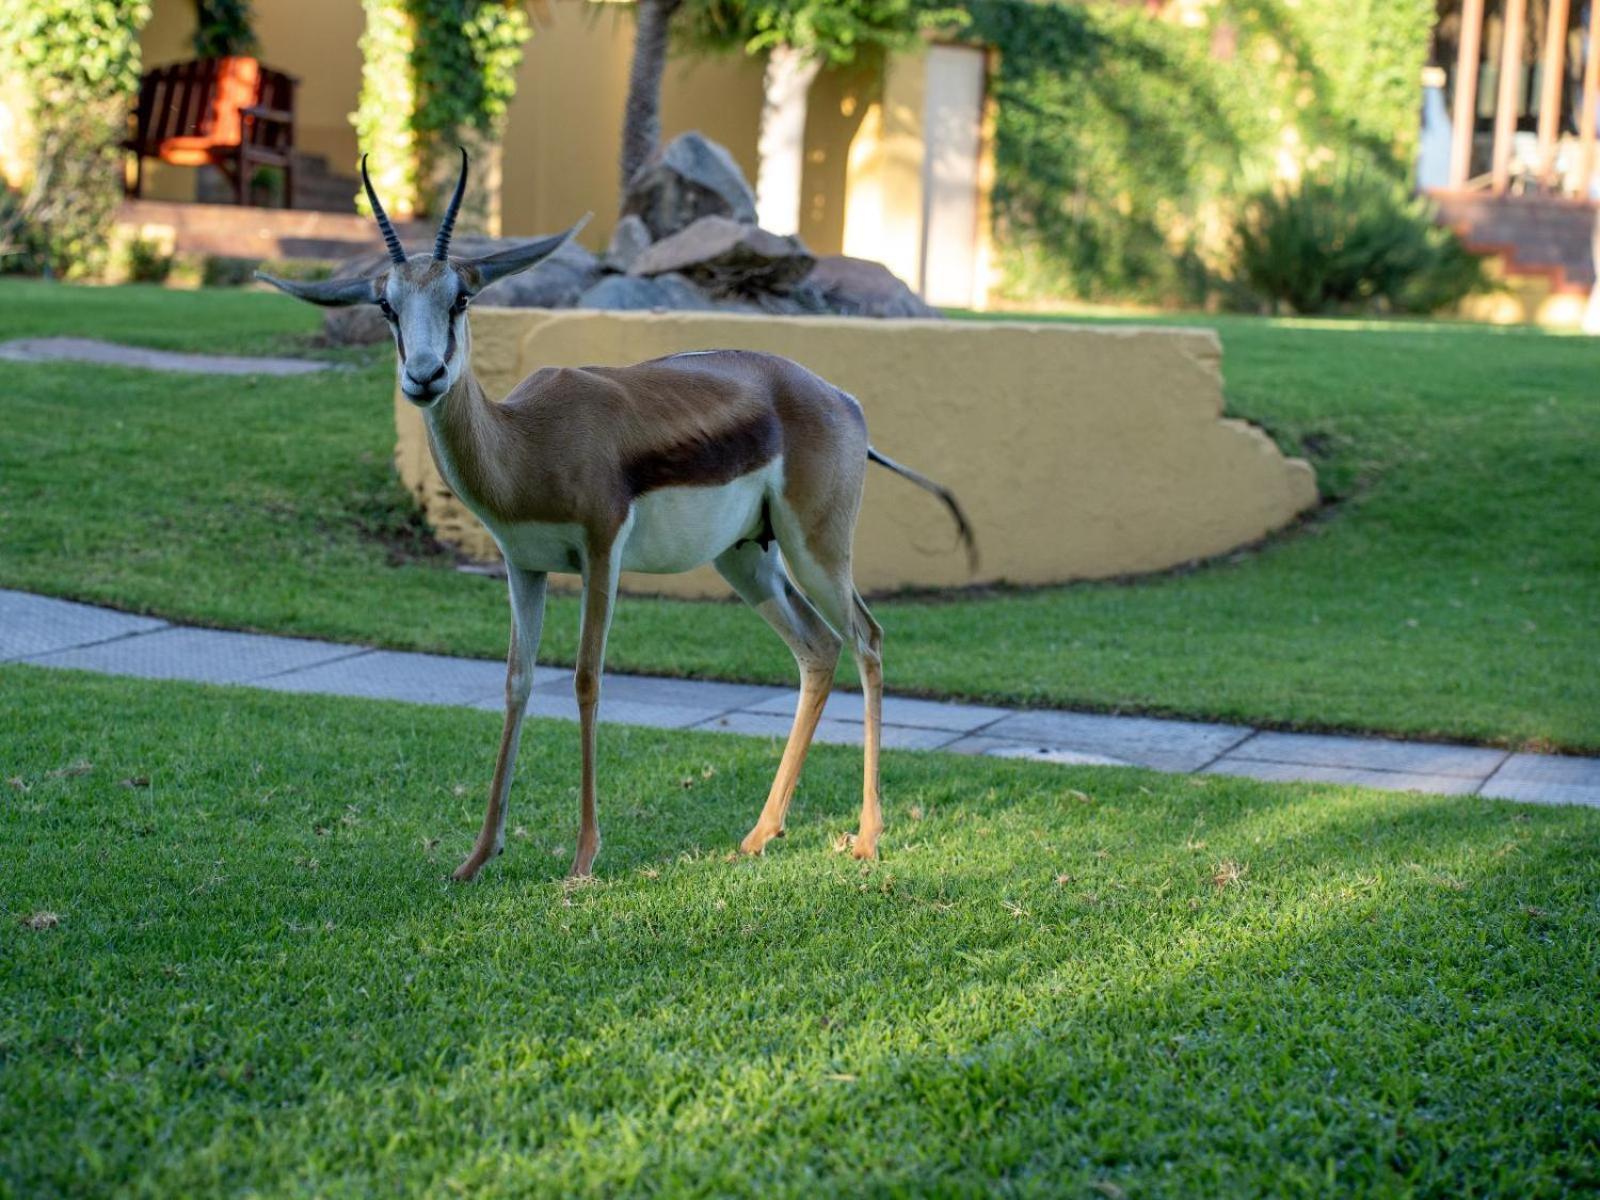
202	99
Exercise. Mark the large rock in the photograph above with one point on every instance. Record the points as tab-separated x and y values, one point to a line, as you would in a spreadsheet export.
557	282
635	292
628	240
691	177
858	287
683	295
624	292
727	257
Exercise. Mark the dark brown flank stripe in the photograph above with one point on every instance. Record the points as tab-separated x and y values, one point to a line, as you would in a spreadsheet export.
707	461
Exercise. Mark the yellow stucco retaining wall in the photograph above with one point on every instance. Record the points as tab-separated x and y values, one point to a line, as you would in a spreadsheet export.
1079	452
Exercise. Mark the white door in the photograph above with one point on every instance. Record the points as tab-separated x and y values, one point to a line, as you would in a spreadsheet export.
953	136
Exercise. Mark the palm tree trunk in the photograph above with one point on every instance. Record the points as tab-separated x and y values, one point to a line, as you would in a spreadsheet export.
641	120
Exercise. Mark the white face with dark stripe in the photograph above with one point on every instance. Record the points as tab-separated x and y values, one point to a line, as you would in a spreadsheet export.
425	303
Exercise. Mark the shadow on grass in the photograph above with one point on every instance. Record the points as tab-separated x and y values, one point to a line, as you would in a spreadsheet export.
1055	978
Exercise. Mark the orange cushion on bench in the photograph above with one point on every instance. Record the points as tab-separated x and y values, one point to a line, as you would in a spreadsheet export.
238	86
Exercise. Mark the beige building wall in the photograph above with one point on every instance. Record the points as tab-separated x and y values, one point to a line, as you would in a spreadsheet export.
563	135
887	194
863	181
1080	452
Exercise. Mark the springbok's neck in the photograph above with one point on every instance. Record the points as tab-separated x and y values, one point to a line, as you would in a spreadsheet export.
462	432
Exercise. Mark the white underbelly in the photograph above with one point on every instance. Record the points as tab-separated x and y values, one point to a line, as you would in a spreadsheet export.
679	528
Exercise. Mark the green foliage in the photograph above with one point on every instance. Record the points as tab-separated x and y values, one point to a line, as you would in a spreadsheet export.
828	30
1348	72
434	70
79	62
465	62
146	261
224	28
1122	137
1352	239
1112	134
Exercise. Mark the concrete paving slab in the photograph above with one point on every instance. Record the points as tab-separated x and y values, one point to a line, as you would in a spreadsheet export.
391	675
993	747
612	712
1542	793
32	624
1375	754
1392	781
199	655
1546	779
897	710
842	733
1143	741
666	693
110	354
58	633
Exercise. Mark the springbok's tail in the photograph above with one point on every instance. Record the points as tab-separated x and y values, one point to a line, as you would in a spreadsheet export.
963	526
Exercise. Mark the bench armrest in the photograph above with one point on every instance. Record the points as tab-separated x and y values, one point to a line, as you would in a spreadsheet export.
281	116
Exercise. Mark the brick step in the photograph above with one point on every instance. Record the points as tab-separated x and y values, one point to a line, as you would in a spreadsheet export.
235	232
1547	236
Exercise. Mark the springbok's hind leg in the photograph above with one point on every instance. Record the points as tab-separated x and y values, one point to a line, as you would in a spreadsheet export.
869	660
757	575
527	620
826	581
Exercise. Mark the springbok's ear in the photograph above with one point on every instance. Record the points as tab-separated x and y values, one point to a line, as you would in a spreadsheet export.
481	272
330	293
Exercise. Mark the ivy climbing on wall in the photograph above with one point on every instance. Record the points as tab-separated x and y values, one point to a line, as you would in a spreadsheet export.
74	68
437	73
223	28
1124	141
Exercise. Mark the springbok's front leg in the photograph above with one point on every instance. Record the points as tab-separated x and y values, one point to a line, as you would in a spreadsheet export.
527	621
599	599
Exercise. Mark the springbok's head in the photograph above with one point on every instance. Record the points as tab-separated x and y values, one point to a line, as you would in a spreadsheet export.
425	299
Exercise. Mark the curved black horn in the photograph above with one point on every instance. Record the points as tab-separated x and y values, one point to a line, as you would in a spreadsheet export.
390	238
441	246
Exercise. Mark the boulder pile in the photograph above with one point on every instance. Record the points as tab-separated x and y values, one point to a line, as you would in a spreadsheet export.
687	240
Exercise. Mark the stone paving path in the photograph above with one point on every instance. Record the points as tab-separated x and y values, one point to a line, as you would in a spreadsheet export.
55	633
88	350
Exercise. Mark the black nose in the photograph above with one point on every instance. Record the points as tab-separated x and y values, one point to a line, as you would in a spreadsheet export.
424	380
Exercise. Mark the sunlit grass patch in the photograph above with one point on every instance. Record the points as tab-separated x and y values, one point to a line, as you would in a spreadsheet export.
258	979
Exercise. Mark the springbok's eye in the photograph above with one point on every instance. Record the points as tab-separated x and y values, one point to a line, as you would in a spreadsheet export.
460	306
385	307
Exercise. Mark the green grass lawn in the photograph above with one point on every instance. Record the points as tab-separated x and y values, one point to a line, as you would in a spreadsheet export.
1448	591
230	963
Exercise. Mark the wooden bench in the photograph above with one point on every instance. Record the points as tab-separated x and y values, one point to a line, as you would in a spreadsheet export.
231	113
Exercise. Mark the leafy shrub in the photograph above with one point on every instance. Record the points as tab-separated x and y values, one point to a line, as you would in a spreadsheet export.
223	28
79	62
1351	239
147	262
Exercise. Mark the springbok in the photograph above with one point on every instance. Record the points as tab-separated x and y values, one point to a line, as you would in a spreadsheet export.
745	460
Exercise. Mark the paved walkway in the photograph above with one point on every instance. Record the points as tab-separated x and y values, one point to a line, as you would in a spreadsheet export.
55	633
88	350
